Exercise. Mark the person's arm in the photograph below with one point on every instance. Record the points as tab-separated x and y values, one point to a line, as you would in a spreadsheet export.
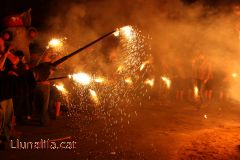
3	60
11	86
14	59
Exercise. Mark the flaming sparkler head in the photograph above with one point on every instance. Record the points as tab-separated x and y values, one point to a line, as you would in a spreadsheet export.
126	31
61	88
94	96
56	43
81	78
116	33
167	81
149	82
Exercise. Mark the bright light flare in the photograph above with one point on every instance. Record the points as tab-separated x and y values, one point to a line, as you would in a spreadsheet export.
94	96
55	43
196	92
81	78
234	75
129	81
149	82
99	80
61	88
126	31
167	81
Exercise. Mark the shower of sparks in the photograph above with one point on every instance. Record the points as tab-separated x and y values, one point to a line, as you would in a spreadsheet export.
196	92
94	96
167	81
133	51
61	88
143	65
99	80
149	82
128	32
81	78
56	44
124	87
129	81
234	75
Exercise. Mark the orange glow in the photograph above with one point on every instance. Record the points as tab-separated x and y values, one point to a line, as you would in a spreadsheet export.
143	65
81	78
60	87
196	92
167	81
149	82
99	80
129	81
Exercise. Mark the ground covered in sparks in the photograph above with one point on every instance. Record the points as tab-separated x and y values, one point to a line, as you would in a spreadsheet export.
152	130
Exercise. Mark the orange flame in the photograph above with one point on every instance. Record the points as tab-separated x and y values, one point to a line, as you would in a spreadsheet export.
61	88
143	65
167	81
81	78
149	82
129	81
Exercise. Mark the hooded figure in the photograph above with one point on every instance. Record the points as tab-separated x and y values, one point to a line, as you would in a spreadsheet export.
18	32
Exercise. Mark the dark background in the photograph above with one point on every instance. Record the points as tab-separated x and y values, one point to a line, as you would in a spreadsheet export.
41	9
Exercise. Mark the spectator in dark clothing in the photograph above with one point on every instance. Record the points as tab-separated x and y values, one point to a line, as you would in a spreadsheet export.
11	86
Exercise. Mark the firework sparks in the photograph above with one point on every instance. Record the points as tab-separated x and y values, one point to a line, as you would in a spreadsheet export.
132	46
126	31
143	65
81	78
149	82
167	81
61	88
94	96
56	43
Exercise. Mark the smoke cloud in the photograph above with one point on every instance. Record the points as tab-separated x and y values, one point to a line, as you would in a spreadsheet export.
178	30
